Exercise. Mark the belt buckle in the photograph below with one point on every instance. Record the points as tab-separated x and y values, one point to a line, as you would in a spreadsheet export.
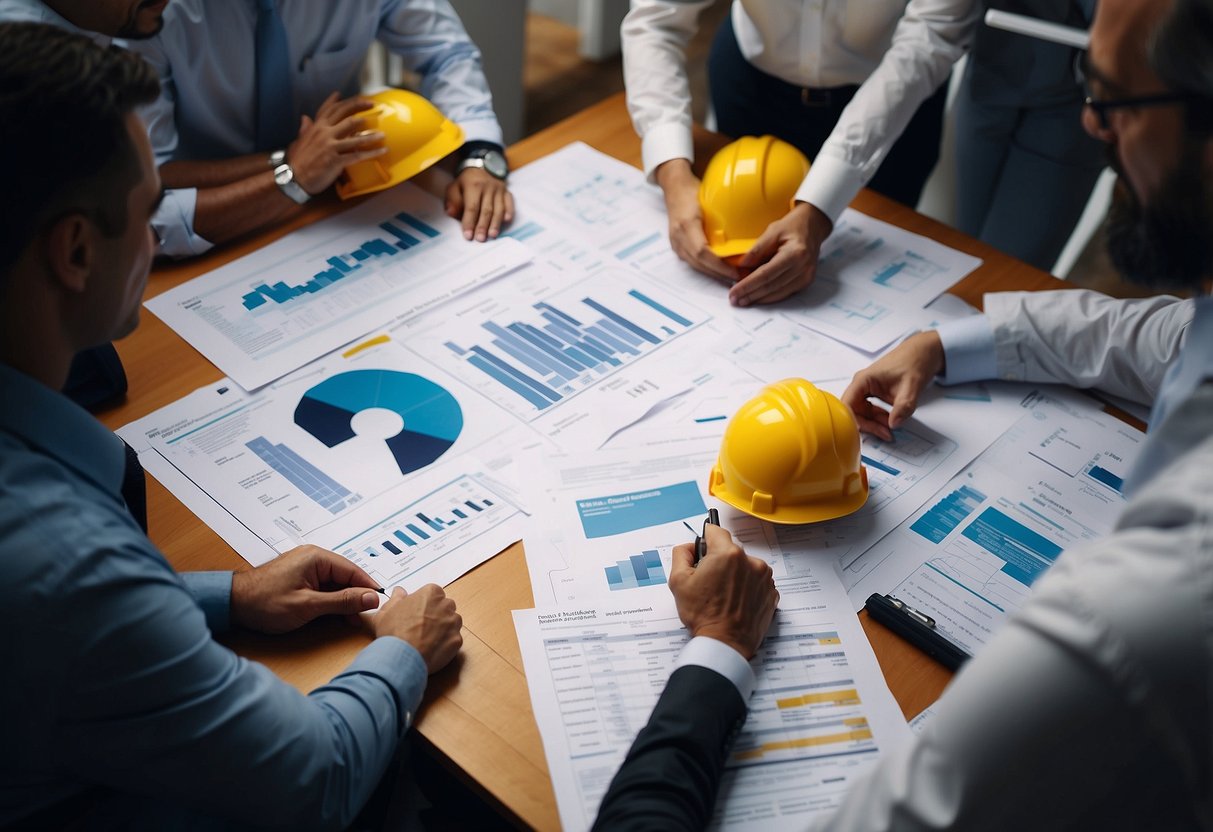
811	97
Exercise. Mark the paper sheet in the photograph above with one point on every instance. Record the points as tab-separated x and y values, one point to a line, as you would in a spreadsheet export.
329	454
819	718
583	204
969	556
272	311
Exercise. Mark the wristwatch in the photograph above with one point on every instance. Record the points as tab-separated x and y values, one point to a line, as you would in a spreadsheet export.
277	158
284	176
486	158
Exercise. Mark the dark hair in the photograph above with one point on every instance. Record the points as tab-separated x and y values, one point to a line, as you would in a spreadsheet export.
1181	52
63	141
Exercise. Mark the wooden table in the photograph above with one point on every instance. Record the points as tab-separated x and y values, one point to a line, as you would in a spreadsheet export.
477	715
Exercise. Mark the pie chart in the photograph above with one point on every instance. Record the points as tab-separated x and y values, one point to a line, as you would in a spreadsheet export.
432	417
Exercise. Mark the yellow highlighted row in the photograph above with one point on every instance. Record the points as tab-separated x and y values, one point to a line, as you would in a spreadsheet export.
840	697
804	742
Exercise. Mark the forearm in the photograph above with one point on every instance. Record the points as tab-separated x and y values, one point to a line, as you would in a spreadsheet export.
213	174
672	772
230	211
931	36
1086	339
654	39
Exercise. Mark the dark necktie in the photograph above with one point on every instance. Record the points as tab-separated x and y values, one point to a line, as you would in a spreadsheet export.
275	94
134	488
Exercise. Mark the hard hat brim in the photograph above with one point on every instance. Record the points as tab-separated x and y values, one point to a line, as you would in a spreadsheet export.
793	514
732	248
798	515
448	140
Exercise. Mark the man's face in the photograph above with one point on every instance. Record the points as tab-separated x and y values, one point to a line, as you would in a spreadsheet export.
1161	216
130	19
115	292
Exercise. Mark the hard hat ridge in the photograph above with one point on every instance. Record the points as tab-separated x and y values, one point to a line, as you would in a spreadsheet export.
416	135
791	455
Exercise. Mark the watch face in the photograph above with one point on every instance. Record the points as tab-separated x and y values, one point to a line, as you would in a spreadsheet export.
495	164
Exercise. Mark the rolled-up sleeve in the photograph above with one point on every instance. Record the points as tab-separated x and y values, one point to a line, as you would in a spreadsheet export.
174	225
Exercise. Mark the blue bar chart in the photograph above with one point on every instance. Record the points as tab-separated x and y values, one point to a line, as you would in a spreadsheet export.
551	350
403	231
644	569
948	513
1105	477
427	529
317	485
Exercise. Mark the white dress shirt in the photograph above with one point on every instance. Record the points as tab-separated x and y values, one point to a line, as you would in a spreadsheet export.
898	51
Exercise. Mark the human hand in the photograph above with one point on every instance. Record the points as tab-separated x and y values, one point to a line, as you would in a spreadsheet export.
784	259
425	619
896	378
482	202
335	138
681	189
729	596
298	586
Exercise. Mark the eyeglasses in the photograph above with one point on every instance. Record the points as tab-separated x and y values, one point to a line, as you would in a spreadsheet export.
1102	106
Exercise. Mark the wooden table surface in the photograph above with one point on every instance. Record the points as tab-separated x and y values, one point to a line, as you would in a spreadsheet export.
477	716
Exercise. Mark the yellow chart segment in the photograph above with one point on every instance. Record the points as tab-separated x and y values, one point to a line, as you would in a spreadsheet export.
837	697
863	733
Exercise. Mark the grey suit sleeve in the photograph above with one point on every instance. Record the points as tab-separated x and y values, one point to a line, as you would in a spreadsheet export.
672	772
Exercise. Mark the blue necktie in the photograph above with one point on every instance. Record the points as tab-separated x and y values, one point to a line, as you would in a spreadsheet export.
275	94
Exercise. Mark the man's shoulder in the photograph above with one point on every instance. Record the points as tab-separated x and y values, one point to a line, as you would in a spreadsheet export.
55	527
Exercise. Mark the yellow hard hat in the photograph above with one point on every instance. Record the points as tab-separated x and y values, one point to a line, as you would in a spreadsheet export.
791	455
416	134
748	185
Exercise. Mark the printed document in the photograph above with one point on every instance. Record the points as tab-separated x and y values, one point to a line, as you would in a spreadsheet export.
820	716
272	311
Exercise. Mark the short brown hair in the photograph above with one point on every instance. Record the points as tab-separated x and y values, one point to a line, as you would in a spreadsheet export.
63	107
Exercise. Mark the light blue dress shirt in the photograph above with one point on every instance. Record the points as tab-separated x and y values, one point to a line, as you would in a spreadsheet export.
177	208
113	686
206	59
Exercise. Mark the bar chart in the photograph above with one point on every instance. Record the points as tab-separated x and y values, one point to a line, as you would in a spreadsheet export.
427	529
644	569
314	483
540	355
403	232
948	513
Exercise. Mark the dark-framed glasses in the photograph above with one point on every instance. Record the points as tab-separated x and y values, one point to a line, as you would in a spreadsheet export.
1102	106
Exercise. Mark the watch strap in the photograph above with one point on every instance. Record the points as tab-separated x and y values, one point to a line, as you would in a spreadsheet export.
284	178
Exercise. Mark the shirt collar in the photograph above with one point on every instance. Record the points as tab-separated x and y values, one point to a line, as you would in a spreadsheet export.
56	426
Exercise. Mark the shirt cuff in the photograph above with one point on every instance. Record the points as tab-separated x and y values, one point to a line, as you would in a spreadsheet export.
663	143
968	350
212	592
482	130
720	657
174	225
830	186
397	663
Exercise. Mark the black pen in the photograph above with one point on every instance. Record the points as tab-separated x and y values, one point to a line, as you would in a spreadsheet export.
917	628
701	541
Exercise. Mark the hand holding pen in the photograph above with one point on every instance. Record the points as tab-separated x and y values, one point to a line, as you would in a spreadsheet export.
701	539
729	596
